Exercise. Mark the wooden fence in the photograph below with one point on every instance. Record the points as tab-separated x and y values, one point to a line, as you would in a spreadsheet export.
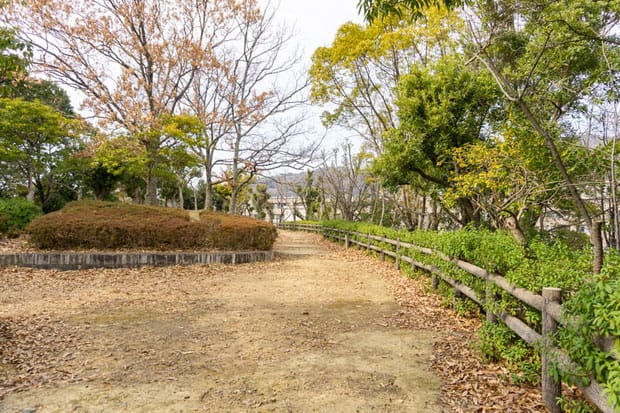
548	304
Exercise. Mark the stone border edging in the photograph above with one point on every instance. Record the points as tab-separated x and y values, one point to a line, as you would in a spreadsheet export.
77	261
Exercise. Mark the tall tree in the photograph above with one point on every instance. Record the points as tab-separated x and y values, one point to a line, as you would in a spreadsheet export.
248	125
133	60
356	76
260	202
557	63
264	128
343	183
440	108
207	100
309	195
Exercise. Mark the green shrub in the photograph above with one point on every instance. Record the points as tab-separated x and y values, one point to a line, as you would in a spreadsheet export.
497	342
109	225
16	214
54	202
595	312
575	240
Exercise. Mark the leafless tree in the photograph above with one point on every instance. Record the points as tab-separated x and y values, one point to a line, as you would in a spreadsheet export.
343	183
134	60
260	109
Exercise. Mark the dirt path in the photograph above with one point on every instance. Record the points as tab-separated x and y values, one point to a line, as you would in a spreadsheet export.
310	332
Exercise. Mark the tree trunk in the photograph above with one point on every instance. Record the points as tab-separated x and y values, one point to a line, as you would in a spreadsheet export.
382	194
31	189
512	224
150	197
208	187
235	179
595	228
324	209
422	216
433	223
469	212
181	200
407	210
614	196
508	91
597	244
232	208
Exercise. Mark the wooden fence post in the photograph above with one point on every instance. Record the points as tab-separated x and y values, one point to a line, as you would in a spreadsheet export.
382	246
368	242
489	299
397	257
551	390
347	239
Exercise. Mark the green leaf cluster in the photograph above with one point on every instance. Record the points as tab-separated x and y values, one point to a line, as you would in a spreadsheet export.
496	342
594	312
16	214
14	60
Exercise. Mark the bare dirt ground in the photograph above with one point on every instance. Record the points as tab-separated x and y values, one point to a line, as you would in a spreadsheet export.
318	330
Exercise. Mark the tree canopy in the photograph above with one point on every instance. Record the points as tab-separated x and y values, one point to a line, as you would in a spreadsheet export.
14	59
35	139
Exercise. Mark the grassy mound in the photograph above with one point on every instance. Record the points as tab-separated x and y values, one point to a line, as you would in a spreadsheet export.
109	225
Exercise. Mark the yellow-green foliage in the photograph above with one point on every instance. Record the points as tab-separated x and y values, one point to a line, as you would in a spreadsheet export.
109	225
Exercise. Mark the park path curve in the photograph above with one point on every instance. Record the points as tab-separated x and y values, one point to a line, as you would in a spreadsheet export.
309	332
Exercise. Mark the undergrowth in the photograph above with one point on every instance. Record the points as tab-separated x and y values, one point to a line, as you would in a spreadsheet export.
16	214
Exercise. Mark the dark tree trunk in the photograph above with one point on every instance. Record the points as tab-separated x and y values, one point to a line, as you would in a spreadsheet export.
151	189
469	213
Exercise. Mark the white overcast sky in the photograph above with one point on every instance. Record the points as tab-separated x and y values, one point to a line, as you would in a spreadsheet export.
315	24
315	21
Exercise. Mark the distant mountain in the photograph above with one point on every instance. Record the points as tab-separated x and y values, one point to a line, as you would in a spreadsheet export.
282	185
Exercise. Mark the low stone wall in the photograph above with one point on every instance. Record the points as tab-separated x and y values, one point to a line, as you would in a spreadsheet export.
77	261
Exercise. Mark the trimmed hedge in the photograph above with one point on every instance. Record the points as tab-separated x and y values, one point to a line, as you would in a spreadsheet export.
233	230
111	226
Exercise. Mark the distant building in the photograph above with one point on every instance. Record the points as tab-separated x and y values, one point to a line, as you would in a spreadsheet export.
286	208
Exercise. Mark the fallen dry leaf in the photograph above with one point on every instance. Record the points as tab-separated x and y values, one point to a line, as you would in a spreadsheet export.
37	347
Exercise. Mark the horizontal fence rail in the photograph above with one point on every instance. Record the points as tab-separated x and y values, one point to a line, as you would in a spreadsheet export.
548	304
